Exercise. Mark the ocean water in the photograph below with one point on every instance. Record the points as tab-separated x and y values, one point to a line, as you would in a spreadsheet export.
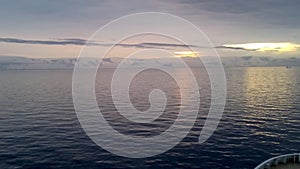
39	127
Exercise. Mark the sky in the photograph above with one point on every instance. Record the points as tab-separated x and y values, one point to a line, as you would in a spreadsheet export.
58	29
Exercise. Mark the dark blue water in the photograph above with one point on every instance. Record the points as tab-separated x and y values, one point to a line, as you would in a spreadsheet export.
39	127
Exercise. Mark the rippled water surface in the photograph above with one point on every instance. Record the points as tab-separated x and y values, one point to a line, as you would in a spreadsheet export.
39	127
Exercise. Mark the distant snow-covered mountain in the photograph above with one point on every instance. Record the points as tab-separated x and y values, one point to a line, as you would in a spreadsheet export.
16	62
260	61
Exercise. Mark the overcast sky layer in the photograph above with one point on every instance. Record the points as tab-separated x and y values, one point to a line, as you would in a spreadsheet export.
44	28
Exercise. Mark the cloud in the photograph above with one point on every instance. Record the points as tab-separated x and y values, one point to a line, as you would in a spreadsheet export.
233	48
278	12
81	42
226	6
263	47
45	42
163	45
259	47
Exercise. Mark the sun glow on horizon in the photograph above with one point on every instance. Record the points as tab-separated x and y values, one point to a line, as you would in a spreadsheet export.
185	54
263	47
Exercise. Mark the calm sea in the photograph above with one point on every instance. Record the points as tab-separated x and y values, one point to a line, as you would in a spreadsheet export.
39	127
